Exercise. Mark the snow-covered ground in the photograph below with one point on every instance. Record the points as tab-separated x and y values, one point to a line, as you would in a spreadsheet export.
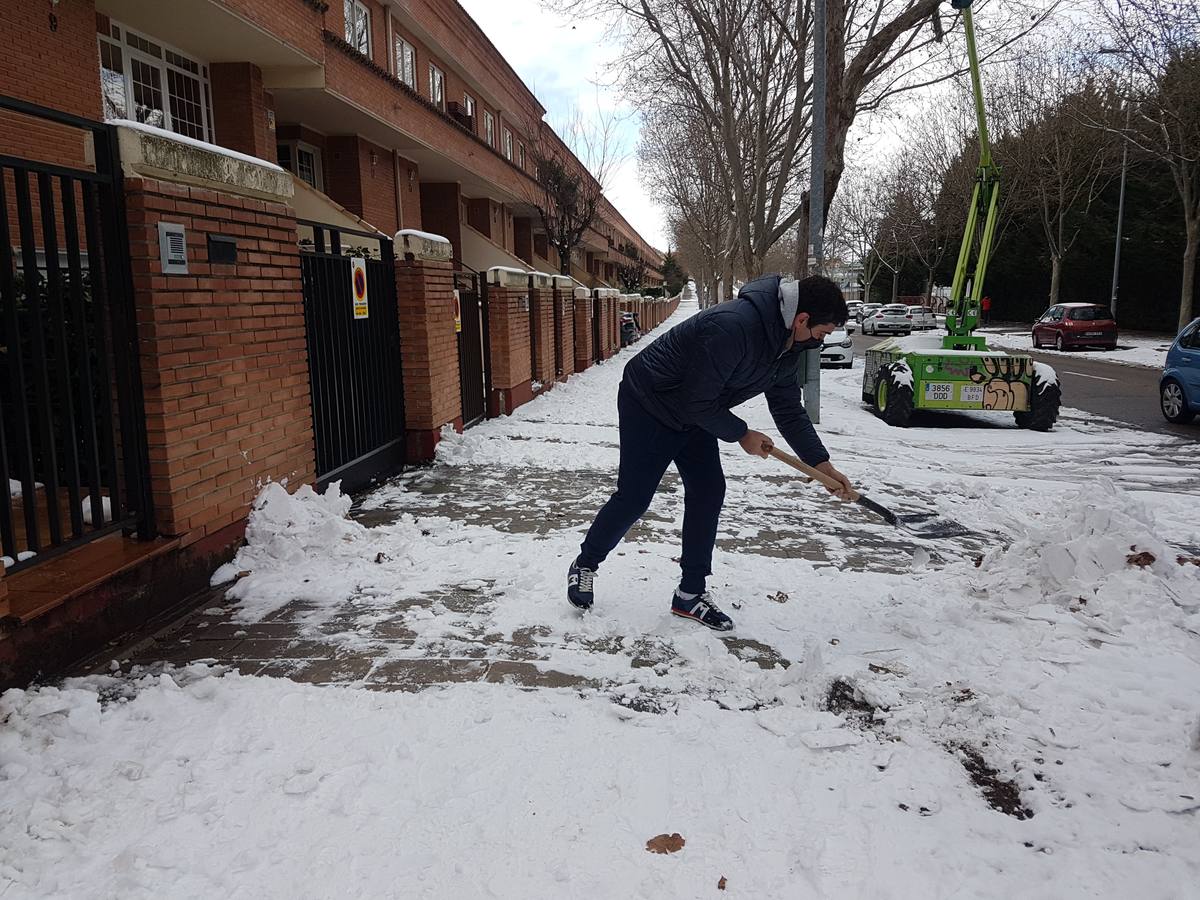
1009	713
1134	350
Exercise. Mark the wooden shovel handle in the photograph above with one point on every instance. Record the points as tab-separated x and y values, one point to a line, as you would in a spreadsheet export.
799	464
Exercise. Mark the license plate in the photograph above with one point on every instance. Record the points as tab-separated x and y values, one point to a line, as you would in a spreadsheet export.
939	391
1093	333
971	393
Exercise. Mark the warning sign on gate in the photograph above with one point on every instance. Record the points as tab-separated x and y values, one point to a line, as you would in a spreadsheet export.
457	312
358	286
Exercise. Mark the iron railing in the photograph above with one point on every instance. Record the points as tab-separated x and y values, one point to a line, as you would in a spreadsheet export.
73	454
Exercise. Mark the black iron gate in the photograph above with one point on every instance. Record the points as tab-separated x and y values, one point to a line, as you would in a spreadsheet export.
73	458
558	333
353	355
474	366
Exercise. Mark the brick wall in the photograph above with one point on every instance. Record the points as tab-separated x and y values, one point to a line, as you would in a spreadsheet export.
583	332
223	357
410	194
361	176
432	397
542	304
52	65
508	327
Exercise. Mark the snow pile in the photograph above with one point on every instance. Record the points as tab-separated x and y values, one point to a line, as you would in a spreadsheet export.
1046	374
1081	550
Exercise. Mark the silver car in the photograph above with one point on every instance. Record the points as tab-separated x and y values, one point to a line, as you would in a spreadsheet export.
923	318
891	319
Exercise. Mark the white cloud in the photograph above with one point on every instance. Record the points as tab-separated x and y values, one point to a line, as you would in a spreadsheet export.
568	63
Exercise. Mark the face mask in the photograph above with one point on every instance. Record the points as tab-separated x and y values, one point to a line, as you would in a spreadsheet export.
810	344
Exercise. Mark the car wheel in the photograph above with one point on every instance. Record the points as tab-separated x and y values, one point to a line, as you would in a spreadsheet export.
1037	345
893	400
1044	402
1173	403
1058	343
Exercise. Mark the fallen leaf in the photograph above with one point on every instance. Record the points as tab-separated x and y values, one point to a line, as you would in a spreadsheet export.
778	597
666	843
721	884
1141	560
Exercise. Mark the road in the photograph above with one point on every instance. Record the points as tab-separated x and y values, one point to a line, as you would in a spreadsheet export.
1122	392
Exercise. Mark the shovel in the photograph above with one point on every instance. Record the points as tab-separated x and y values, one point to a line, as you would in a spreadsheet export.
926	525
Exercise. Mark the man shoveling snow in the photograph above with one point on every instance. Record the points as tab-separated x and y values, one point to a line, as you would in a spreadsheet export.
674	403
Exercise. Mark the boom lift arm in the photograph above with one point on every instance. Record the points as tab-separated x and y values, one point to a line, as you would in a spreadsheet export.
966	290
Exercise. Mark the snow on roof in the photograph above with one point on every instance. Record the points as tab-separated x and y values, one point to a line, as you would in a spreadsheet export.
193	142
929	343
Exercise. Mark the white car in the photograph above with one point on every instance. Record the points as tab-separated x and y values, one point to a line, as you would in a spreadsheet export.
867	309
891	319
852	308
923	318
838	350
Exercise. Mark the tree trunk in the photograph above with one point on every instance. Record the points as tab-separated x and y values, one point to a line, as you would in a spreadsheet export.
1055	277
1188	288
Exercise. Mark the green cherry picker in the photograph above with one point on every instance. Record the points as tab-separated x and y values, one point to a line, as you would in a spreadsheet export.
958	371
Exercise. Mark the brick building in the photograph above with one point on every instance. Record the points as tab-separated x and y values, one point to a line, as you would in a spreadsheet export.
183	282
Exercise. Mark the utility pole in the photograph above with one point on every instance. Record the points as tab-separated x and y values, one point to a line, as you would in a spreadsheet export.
816	200
1124	168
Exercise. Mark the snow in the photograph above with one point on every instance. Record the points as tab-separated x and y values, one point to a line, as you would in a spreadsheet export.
420	235
902	373
1045	374
105	509
1133	350
193	142
1036	644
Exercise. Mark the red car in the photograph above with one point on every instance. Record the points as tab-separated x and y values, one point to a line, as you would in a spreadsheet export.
1069	326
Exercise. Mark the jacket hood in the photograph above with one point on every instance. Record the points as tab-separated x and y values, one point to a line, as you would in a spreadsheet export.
775	300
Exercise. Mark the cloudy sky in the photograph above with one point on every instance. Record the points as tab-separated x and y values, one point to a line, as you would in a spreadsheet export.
568	64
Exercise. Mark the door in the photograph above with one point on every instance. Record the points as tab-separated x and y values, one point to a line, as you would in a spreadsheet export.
473	360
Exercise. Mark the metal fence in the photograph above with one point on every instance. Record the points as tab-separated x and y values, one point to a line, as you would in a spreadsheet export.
474	359
353	335
73	458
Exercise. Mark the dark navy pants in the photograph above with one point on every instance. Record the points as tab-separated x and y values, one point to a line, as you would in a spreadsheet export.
647	448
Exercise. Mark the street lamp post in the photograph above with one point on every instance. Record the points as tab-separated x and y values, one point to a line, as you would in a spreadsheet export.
1124	168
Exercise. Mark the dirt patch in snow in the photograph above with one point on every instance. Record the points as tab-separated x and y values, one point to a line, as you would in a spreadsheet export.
1000	793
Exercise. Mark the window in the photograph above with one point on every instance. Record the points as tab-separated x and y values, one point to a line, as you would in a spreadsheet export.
437	87
148	82
405	61
358	26
508	145
489	128
1190	338
1089	314
469	105
304	161
521	155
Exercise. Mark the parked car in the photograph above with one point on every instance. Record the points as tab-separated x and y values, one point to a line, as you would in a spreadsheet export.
1179	388
867	309
629	329
838	350
923	318
852	308
891	319
1069	326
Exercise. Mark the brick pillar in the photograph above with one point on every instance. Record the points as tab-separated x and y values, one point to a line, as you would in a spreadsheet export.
541	299
425	300
441	212
240	109
582	303
564	298
222	348
4	608
508	333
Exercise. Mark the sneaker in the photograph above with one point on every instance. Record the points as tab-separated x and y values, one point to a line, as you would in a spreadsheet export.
701	609
579	586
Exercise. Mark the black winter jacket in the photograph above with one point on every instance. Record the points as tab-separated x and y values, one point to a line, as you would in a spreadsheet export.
698	371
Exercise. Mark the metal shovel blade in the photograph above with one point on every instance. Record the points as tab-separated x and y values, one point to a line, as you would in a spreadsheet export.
926	525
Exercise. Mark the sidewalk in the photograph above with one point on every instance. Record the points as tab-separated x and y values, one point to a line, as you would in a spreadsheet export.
1008	709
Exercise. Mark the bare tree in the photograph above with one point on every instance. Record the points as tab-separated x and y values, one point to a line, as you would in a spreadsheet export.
742	69
570	174
1161	41
631	267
